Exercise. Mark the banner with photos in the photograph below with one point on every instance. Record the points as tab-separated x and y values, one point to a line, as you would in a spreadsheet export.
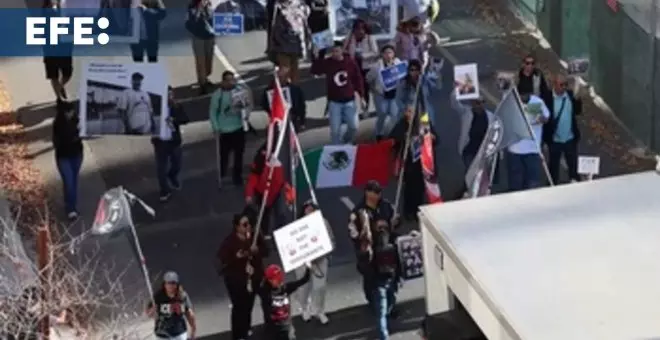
124	99
410	256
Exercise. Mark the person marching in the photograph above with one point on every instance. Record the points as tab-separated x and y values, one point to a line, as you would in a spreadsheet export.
362	47
343	80
68	154
413	179
385	101
199	23
406	90
298	109
172	310
240	262
312	294
168	152
280	193
413	41
275	295
227	123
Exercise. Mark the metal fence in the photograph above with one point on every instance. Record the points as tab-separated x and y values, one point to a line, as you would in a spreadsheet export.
619	37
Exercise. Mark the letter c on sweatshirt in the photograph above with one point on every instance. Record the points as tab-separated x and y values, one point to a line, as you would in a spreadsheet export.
341	78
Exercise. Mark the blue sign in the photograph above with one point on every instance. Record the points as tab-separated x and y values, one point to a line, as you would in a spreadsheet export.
323	40
228	23
390	76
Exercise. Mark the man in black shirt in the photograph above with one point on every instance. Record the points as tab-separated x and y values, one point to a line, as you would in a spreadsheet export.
276	300
168	152
172	309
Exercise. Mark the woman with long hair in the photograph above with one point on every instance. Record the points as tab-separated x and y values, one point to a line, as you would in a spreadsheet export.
384	99
312	294
68	154
361	45
172	310
242	265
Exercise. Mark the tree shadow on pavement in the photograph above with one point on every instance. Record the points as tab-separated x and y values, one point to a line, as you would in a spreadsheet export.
352	323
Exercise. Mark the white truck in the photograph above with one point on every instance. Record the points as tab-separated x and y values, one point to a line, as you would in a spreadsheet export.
572	262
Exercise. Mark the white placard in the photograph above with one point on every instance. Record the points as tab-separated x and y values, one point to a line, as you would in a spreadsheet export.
302	241
124	99
380	16
588	165
466	80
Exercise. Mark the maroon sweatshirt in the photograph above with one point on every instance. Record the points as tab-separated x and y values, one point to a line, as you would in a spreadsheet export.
342	78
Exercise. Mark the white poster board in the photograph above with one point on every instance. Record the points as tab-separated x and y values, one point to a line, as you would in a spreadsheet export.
588	165
124	99
466	80
302	241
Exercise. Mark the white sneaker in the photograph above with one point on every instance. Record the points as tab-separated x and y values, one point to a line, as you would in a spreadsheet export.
323	319
306	315
72	215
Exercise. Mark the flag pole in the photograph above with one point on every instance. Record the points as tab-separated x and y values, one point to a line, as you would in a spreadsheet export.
217	158
308	179
292	166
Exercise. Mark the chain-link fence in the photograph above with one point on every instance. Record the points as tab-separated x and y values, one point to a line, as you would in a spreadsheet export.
619	37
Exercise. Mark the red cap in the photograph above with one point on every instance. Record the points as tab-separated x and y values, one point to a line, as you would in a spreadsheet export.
274	273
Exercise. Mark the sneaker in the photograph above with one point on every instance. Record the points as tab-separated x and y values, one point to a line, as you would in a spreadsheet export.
72	216
306	315
165	197
268	237
176	185
323	319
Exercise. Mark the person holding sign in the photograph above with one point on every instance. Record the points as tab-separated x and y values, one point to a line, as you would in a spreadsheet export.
296	98
276	301
240	262
413	41
312	294
562	132
362	47
384	98
523	160
407	87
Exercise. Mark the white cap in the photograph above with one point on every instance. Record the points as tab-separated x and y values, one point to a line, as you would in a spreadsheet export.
171	276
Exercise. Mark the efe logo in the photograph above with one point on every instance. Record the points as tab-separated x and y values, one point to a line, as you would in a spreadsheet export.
35	30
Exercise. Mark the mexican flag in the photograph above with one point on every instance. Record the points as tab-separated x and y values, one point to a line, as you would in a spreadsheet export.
334	166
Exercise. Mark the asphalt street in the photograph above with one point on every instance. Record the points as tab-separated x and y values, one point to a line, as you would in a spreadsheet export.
188	230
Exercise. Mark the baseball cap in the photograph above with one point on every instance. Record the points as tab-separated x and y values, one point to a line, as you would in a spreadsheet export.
274	273
373	186
171	276
137	75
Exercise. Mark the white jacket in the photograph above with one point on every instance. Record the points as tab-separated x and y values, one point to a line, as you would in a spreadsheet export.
373	77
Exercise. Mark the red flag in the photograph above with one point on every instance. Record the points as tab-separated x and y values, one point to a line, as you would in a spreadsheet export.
613	5
278	106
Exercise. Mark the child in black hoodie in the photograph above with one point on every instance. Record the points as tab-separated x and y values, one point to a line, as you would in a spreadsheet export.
275	298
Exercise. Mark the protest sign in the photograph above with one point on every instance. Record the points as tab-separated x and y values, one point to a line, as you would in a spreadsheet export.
410	256
588	165
228	23
285	92
239	99
323	39
505	80
302	241
578	66
390	76
466	80
124	99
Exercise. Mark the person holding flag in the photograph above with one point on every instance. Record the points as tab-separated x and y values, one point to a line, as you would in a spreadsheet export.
296	98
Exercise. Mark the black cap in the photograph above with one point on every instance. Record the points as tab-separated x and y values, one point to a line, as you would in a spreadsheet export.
373	186
137	75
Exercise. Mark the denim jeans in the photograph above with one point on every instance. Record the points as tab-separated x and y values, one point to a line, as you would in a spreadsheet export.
524	171
342	113
182	336
69	169
168	165
385	108
381	294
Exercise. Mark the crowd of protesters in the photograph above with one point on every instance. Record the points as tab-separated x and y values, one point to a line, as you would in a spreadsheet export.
351	69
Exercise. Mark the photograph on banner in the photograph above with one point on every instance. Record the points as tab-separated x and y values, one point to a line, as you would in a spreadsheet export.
123	15
588	165
286	93
228	23
323	39
466	80
390	76
505	80
303	241
380	15
124	99
410	256
240	98
578	66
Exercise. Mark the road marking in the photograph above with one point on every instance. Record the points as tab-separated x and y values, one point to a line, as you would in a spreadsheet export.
347	202
227	65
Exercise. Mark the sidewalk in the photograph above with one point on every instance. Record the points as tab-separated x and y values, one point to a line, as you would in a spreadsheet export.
508	40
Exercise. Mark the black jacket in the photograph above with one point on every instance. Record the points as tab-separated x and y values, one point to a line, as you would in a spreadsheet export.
276	302
66	136
399	134
152	18
551	126
298	104
526	84
356	224
177	118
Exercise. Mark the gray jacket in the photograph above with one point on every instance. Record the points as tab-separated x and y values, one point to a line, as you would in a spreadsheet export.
466	115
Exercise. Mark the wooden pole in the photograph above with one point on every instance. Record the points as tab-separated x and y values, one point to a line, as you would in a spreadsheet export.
43	250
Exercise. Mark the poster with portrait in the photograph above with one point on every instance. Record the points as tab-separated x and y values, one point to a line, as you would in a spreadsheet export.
410	256
380	15
123	15
466	80
124	99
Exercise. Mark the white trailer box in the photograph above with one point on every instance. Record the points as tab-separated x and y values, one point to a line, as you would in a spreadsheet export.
573	262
